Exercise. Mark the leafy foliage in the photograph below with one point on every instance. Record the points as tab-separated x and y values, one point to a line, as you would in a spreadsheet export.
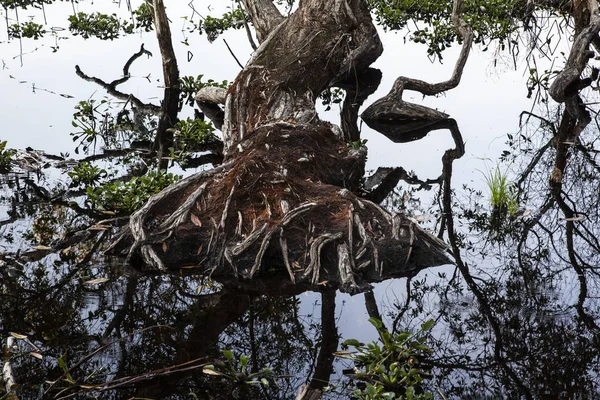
391	369
97	121
28	29
5	157
126	197
193	134
14	4
86	174
143	17
213	27
102	26
237	370
490	20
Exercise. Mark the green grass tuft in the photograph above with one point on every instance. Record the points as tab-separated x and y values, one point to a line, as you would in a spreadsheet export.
503	193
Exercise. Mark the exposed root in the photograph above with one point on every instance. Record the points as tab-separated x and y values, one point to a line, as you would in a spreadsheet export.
8	377
315	255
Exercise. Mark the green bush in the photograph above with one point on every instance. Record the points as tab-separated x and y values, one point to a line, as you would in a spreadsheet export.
126	197
390	368
5	157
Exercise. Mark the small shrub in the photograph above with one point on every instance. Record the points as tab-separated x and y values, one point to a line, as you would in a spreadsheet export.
86	174
126	197
390	368
194	134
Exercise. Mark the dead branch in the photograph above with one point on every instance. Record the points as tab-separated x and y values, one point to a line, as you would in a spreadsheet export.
392	107
248	32
111	87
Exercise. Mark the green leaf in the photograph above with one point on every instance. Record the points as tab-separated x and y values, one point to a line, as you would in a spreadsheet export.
427	325
351	342
244	361
376	323
228	354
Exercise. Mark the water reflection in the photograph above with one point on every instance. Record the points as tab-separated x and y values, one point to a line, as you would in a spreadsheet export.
517	317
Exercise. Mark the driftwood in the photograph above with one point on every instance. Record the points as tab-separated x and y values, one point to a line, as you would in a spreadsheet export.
287	201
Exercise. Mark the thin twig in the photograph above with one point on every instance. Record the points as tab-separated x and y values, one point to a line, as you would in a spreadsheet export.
231	51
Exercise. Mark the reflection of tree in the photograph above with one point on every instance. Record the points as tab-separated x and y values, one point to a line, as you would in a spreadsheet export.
521	329
113	334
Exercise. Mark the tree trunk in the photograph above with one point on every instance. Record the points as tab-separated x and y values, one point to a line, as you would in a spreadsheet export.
286	201
170	104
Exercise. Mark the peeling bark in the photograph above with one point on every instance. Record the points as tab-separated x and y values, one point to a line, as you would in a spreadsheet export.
264	15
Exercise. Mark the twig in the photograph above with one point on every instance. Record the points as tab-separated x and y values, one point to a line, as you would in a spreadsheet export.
248	32
231	52
99	349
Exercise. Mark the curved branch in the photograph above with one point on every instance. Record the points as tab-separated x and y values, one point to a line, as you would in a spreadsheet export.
567	80
393	107
112	90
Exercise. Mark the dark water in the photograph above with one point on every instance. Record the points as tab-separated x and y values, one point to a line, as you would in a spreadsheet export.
517	318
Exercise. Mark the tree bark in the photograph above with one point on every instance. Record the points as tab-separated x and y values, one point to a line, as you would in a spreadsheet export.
286	201
170	105
264	15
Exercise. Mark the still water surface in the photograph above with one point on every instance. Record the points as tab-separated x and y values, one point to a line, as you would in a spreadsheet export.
519	322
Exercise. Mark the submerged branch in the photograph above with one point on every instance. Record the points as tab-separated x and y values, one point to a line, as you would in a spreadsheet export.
486	309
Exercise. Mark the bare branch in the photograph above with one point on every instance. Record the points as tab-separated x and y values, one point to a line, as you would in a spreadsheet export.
111	87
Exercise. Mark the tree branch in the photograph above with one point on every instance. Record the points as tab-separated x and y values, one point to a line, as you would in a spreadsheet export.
170	104
393	107
111	87
264	15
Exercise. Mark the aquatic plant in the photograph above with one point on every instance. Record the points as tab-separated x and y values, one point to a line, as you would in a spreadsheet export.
390	368
86	174
503	193
126	197
237	370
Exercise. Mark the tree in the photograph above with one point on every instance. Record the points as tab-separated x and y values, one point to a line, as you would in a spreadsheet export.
287	198
287	194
